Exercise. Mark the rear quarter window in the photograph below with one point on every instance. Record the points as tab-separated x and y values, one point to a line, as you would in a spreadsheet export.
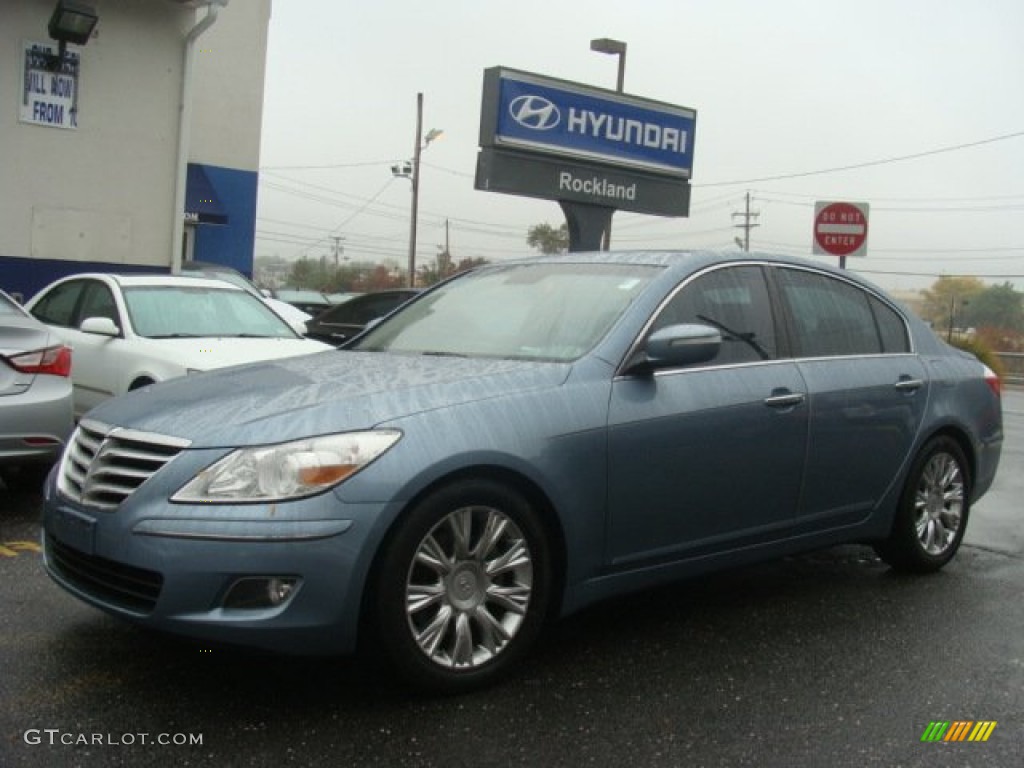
57	306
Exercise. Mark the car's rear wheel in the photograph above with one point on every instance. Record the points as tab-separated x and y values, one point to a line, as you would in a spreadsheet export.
932	516
463	586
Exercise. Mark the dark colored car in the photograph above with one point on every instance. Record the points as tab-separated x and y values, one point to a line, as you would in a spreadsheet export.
310	302
521	441
343	321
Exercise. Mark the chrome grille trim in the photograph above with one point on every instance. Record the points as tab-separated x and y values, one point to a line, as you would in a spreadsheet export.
104	465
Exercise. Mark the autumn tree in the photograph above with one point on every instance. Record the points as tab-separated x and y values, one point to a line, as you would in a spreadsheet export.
445	268
945	301
998	306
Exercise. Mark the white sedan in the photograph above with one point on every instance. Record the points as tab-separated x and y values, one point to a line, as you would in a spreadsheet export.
128	331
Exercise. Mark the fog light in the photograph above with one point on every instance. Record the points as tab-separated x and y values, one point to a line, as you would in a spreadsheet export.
278	590
253	593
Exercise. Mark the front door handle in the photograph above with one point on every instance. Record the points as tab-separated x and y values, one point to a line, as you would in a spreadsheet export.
784	399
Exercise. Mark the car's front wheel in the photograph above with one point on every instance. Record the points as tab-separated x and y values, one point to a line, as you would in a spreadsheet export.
463	586
932	516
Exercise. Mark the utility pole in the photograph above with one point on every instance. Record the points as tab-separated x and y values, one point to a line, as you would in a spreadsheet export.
444	256
338	249
749	218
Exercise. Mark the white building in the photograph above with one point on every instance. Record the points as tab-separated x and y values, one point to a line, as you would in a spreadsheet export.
90	160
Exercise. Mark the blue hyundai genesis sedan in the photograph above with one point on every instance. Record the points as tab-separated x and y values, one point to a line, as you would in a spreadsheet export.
516	443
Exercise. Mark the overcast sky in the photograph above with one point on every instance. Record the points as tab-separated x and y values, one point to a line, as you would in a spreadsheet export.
784	91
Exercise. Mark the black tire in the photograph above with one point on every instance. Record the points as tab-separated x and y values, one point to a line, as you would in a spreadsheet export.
29	477
476	555
933	510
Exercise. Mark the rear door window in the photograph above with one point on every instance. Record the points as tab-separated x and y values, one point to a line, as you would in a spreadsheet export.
830	317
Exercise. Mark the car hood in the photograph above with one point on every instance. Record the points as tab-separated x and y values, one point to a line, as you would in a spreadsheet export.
334	391
209	352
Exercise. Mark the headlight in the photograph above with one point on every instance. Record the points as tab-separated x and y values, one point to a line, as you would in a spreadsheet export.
286	471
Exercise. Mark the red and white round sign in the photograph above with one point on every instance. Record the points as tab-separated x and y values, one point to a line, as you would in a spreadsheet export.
840	229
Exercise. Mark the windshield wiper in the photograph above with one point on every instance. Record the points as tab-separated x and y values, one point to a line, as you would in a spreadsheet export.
434	353
747	337
178	336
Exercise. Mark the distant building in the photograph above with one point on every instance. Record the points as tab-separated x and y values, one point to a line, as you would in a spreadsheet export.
90	145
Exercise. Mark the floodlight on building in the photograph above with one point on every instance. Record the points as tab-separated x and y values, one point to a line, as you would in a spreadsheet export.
71	22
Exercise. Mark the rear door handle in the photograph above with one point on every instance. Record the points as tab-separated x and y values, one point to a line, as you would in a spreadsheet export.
907	384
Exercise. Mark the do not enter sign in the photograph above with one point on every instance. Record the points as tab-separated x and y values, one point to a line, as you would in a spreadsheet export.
840	229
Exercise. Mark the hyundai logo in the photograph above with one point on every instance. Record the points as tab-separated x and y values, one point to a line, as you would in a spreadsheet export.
534	112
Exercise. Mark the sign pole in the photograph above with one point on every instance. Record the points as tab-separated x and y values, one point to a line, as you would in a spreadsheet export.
587	224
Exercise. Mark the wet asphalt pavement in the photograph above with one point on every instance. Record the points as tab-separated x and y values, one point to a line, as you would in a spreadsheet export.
827	659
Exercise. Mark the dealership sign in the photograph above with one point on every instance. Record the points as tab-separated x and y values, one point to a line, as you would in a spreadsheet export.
583	146
49	95
552	178
535	113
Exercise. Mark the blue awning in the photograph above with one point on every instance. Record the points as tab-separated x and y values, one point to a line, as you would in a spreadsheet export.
202	205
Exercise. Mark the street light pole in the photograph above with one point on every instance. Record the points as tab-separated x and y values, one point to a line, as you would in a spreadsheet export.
614	48
415	190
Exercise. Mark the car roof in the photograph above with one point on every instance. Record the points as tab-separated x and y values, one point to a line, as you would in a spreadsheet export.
661	258
209	266
688	261
138	279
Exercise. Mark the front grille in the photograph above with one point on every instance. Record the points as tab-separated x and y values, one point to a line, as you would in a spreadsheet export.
104	465
124	586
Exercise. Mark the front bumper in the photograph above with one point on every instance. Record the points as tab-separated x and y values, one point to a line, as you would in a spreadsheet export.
173	567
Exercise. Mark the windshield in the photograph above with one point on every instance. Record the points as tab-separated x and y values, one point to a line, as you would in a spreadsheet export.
547	311
217	274
170	311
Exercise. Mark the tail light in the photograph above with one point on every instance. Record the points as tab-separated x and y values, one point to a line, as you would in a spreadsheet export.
55	361
993	381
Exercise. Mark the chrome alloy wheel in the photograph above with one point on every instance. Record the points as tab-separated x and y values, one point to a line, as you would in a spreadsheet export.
469	587
939	503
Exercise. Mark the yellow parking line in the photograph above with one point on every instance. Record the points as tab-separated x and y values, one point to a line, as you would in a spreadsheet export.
12	548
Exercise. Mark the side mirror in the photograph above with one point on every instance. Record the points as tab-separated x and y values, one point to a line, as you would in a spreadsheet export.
101	326
678	345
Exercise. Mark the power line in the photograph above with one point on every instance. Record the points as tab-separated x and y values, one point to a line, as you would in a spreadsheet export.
867	164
